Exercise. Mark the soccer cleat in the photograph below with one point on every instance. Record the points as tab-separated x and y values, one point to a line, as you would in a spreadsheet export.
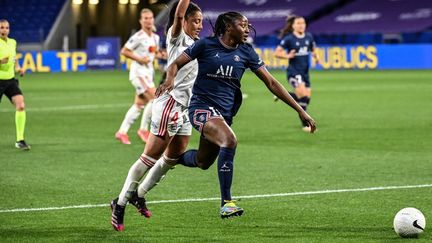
123	137
229	209
143	134
140	204
117	215
22	145
275	98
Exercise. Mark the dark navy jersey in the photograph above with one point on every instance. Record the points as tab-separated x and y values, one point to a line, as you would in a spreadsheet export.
220	69
299	65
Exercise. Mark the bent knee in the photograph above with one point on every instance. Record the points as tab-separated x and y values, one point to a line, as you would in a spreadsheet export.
203	166
230	141
20	107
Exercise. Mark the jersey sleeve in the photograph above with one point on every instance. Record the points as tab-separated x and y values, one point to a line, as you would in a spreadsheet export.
132	43
196	49
174	40
254	62
285	43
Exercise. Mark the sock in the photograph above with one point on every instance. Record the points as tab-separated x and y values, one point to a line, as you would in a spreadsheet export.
130	117
225	172
155	175
20	120
146	117
304	102
294	96
189	158
136	172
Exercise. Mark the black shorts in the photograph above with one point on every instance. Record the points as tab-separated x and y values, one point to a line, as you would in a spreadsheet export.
10	88
297	79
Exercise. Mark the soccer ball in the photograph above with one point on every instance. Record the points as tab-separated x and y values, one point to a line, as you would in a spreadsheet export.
409	222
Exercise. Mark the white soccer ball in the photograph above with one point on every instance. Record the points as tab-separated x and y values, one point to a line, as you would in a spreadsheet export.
409	222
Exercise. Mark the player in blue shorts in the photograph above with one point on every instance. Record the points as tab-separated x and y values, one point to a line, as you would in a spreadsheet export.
296	46
216	97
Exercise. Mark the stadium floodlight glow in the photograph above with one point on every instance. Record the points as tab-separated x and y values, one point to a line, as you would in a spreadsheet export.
134	1
77	2
94	2
123	1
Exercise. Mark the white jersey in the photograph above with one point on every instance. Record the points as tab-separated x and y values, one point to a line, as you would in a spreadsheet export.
185	78
143	45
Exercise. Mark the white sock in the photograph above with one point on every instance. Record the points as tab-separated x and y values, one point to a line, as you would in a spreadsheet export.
155	175
146	117
130	117
136	172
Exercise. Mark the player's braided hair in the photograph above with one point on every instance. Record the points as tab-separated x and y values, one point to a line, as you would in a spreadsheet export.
223	20
288	25
192	8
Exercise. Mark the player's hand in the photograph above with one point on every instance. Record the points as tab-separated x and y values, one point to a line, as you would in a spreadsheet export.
291	54
144	60
21	72
166	86
308	119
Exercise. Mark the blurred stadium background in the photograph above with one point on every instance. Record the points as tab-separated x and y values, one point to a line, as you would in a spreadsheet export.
372	102
352	34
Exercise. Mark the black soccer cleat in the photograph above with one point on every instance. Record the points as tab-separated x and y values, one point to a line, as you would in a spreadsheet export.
140	204
22	145
117	215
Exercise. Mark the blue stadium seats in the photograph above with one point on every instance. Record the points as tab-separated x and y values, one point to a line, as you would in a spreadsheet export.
31	20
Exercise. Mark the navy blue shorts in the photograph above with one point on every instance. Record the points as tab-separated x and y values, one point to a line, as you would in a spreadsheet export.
296	80
10	88
200	113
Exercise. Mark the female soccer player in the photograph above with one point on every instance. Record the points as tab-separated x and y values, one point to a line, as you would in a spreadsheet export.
297	45
9	85
171	128
217	97
142	49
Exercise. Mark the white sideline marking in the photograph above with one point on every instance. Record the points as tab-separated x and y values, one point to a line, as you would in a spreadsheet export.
67	108
235	197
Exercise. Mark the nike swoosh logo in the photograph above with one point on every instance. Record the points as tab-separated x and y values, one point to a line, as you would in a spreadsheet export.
415	224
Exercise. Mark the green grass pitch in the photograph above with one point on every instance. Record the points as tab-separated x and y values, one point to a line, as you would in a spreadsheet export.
374	129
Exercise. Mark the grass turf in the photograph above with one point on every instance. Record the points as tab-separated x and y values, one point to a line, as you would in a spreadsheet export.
374	130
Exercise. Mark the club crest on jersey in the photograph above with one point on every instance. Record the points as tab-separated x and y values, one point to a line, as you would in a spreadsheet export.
236	58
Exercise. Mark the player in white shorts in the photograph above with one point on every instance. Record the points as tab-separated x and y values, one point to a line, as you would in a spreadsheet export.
142	48
170	126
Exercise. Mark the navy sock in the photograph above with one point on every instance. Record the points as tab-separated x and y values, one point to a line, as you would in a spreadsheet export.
304	102
189	158
294	96
225	172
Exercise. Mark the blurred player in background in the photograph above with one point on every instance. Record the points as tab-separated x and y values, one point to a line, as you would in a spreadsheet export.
170	129
296	46
142	48
9	84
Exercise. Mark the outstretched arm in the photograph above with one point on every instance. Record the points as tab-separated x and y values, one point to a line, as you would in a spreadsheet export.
172	70
279	90
179	18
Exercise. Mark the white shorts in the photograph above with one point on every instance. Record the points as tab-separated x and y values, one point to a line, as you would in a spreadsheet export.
142	84
169	116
